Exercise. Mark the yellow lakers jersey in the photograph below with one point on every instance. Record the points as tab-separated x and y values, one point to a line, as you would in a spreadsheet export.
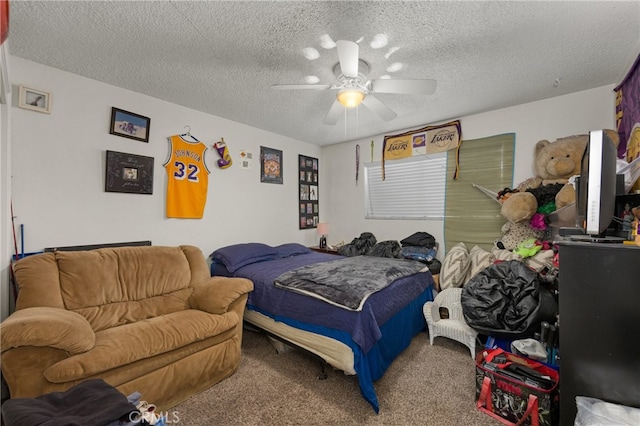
188	178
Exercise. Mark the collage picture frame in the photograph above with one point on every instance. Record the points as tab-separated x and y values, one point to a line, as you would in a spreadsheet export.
308	193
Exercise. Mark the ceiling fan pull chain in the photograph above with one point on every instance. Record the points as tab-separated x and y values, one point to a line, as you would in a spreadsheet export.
345	123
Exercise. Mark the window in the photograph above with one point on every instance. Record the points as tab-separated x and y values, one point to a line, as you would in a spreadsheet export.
414	188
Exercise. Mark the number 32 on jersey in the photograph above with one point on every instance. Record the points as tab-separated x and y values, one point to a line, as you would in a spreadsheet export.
188	178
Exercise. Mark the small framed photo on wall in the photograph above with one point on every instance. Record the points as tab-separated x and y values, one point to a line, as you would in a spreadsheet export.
270	165
34	99
129	125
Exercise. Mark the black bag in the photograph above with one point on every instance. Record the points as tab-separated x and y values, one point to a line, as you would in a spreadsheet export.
434	266
516	390
419	239
359	245
385	249
506	300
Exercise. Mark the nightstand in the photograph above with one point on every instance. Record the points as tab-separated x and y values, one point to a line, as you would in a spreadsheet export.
324	250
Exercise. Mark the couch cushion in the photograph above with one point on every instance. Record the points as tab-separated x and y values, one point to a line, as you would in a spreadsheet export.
98	277
125	283
128	343
115	314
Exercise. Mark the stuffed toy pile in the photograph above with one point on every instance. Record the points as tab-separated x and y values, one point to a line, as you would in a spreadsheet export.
554	163
527	206
526	209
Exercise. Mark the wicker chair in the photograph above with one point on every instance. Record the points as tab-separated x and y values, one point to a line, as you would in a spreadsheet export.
454	327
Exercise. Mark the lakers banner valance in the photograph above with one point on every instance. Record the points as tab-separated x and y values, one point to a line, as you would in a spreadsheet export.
427	140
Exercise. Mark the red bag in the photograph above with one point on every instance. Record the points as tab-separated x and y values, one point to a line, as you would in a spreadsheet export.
516	390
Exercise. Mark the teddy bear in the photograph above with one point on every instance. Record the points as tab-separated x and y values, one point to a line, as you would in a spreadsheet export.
514	233
555	163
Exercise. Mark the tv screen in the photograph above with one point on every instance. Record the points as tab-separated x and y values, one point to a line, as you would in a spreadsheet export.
596	191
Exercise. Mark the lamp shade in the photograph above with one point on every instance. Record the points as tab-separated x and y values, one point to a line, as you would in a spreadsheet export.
350	98
322	229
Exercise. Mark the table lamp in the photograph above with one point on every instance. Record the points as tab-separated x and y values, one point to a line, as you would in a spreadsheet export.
323	230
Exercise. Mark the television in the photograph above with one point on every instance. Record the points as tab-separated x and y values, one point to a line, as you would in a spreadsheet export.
596	188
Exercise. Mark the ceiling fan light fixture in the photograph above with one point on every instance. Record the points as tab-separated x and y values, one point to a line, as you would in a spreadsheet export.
350	98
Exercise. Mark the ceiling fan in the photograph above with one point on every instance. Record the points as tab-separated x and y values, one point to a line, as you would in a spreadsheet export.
354	88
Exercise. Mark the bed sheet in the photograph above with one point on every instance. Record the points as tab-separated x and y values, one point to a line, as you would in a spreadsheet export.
363	327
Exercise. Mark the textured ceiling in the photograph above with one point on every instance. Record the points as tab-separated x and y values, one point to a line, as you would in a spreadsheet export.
222	57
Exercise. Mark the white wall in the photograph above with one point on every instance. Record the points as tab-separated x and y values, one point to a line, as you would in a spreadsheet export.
547	119
58	166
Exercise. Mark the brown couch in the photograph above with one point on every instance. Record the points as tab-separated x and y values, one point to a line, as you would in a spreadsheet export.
146	319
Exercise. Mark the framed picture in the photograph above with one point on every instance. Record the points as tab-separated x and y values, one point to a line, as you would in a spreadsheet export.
128	173
624	214
308	191
270	165
34	99
129	125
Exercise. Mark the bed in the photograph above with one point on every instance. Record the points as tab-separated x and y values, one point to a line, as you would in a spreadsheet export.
361	341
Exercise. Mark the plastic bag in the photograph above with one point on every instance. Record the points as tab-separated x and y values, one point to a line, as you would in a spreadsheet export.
506	301
595	412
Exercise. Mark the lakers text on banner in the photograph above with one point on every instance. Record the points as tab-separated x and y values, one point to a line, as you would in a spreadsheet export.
426	140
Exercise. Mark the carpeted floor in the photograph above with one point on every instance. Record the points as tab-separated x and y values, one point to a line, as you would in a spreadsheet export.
426	385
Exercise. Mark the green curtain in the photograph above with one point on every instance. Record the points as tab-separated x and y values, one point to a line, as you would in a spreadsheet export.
472	216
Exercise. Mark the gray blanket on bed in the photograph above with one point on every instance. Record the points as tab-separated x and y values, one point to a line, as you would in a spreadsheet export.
347	282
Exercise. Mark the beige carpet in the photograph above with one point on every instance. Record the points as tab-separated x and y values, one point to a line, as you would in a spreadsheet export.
426	385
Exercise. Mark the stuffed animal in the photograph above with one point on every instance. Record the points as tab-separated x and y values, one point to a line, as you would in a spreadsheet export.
513	234
555	163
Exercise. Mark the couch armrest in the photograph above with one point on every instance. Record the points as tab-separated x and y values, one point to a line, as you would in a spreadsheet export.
52	327
217	294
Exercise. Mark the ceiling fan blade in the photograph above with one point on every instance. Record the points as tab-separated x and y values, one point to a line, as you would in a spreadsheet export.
334	113
301	86
348	56
409	87
379	108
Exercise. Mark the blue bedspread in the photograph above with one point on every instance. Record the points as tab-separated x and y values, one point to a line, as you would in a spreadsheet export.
389	320
362	326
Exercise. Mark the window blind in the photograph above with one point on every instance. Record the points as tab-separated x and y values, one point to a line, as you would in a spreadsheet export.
471	216
414	188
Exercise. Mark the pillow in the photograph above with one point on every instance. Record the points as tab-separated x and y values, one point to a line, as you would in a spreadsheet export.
219	270
236	256
455	267
291	249
480	259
